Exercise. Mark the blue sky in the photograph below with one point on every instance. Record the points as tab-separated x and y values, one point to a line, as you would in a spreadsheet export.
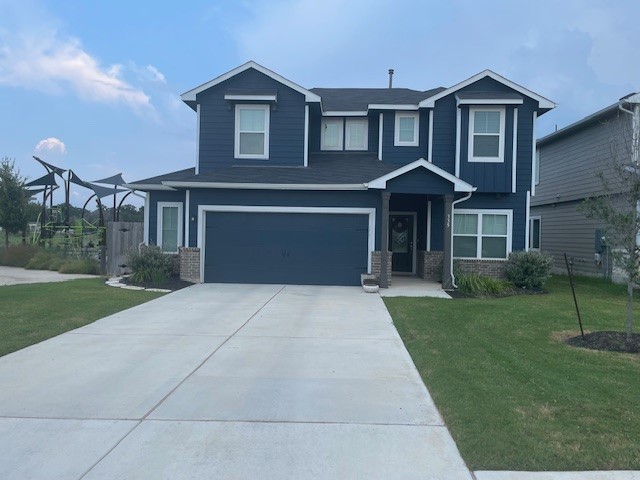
94	85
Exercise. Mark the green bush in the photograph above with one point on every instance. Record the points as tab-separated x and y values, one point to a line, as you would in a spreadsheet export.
529	269
40	261
475	284
150	266
18	255
80	265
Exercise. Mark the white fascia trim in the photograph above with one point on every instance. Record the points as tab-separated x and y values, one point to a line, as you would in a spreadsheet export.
458	184
380	134
489	101
337	113
203	209
378	106
527	220
430	143
147	203
488	211
306	136
514	159
148	186
271	186
416	129
263	98
159	207
533	154
502	138
190	96
458	140
542	101
187	216
198	139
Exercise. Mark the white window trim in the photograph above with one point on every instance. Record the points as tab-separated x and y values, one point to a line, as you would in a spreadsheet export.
323	123
501	138
160	206
347	134
478	234
532	219
267	110
416	130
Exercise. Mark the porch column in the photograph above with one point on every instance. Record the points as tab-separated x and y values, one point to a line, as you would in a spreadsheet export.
447	280
384	241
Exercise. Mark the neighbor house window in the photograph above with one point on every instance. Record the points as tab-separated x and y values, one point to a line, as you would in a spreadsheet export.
534	233
331	134
169	226
406	129
482	233
252	131
486	134
356	130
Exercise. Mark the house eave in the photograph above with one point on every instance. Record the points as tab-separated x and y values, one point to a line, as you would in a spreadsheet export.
147	186
459	185
267	186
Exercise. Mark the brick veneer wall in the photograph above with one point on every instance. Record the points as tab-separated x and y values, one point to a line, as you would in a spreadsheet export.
375	264
190	264
489	268
429	264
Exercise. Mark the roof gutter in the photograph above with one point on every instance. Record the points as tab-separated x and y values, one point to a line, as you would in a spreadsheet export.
267	186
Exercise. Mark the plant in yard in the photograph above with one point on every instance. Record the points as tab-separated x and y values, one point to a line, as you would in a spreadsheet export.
150	266
529	269
13	200
475	284
80	265
18	255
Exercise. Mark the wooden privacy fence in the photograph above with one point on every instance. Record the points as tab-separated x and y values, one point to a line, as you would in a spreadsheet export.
122	237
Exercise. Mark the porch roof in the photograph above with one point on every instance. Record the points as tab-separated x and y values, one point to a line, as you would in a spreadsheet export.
459	185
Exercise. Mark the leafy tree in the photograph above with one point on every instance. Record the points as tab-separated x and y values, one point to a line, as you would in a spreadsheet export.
617	206
13	199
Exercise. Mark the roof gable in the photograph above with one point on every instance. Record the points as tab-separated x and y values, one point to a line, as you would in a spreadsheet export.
459	185
543	102
190	96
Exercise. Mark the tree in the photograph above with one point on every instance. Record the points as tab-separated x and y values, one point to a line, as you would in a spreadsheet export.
13	199
618	206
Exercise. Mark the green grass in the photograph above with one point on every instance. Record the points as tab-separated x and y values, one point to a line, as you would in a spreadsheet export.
32	313
513	395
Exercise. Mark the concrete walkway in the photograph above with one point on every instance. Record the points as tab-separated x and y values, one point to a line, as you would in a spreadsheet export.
16	276
225	381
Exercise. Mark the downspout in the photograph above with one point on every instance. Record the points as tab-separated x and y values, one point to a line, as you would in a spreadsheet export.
453	207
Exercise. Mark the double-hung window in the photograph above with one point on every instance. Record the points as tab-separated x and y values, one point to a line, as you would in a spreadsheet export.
406	129
356	134
252	131
339	133
486	134
482	234
169	234
331	134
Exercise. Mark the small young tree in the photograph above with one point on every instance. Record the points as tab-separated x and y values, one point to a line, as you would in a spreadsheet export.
13	199
618	205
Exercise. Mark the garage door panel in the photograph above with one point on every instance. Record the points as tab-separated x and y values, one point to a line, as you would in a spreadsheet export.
324	249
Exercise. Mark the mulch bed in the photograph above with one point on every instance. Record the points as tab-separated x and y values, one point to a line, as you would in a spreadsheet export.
608	341
173	283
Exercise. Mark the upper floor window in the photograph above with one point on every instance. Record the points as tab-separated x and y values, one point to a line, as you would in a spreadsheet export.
482	233
406	129
486	134
252	131
169	234
341	134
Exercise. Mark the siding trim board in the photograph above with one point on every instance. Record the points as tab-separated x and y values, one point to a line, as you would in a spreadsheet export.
515	150
270	186
204	209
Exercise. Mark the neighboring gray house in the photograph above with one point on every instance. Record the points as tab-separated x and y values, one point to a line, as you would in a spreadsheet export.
565	173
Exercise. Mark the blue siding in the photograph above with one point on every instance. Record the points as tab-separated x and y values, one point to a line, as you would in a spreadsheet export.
404	155
217	123
155	197
437	224
420	180
444	133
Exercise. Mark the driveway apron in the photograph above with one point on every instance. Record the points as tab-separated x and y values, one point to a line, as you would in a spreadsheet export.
225	381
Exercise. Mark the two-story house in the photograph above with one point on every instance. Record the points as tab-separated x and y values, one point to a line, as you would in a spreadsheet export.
318	186
568	165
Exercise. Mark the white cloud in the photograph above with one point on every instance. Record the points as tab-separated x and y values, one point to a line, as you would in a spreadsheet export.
51	144
156	75
35	55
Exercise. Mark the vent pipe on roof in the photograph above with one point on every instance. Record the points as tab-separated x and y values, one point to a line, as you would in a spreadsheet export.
391	78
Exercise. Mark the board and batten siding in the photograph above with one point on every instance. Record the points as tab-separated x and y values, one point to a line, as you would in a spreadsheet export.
217	123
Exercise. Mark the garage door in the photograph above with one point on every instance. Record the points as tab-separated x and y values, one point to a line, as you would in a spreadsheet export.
292	248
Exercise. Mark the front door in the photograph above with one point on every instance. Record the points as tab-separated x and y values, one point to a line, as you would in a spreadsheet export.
401	242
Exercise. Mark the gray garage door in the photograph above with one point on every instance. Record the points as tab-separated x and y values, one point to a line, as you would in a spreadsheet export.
292	248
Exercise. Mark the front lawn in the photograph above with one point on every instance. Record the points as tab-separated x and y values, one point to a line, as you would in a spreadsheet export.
513	395
32	313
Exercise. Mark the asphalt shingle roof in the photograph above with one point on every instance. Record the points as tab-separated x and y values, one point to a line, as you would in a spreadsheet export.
357	99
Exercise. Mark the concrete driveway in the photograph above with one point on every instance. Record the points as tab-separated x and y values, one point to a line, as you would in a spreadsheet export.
225	381
16	276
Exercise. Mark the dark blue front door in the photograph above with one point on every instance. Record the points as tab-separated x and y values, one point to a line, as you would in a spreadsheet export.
292	248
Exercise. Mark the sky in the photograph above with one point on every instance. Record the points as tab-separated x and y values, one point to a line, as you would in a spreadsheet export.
95	85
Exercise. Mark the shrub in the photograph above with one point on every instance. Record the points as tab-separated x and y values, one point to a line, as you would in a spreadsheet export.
150	266
529	269
18	255
80	265
40	261
475	284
